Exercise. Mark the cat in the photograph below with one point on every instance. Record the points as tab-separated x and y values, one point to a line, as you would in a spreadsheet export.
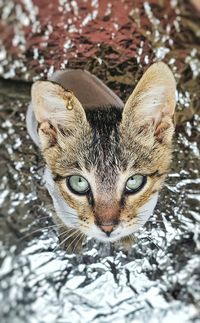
105	161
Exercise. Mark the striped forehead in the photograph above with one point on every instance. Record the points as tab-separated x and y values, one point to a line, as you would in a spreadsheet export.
104	152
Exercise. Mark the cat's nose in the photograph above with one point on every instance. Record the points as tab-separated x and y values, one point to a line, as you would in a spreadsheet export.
107	229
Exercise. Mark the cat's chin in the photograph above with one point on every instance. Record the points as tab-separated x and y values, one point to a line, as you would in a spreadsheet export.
119	234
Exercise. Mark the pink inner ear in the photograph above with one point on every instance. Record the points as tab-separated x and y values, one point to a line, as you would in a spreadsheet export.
164	129
153	97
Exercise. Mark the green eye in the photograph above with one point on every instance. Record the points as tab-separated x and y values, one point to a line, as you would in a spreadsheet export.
135	183
78	184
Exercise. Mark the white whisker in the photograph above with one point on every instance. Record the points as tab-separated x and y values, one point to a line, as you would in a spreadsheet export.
39	230
78	233
78	240
67	238
66	231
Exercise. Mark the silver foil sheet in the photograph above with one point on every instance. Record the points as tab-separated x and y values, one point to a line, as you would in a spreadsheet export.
157	280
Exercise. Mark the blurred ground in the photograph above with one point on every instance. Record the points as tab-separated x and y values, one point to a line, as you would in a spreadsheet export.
158	280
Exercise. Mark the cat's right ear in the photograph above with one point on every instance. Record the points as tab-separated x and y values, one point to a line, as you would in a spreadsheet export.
55	109
153	102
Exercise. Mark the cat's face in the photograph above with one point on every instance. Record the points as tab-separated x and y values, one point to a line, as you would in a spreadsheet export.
108	165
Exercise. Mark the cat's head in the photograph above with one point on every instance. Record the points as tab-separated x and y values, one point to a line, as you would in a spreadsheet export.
107	164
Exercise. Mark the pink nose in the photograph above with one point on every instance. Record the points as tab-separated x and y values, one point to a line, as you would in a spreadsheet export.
107	229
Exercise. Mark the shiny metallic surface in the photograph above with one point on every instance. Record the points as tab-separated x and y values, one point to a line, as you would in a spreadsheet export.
157	280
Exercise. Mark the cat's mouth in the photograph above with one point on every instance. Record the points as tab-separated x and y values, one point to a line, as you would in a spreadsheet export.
118	233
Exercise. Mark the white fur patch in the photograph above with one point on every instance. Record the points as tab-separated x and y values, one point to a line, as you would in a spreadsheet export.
68	215
31	125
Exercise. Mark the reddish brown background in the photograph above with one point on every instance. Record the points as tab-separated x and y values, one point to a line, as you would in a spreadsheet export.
116	40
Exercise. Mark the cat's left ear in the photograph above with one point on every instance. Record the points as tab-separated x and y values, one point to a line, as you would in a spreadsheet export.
153	101
55	108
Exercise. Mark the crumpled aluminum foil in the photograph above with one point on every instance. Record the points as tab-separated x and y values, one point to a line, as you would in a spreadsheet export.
158	280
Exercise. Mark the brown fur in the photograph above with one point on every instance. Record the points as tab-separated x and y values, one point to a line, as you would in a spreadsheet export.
138	142
149	159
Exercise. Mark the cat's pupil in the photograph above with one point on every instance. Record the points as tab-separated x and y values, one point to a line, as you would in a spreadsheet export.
78	184
81	182
135	182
